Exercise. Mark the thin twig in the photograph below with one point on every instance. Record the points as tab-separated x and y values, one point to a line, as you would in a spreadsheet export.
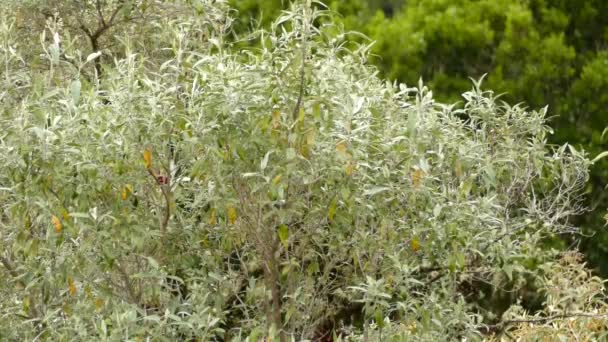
164	188
135	297
99	13
296	109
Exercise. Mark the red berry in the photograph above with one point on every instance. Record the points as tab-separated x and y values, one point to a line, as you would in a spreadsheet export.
162	180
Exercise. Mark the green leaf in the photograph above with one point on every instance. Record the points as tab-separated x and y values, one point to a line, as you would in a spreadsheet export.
331	212
379	318
284	235
153	262
75	91
316	110
375	190
290	153
264	161
599	156
93	56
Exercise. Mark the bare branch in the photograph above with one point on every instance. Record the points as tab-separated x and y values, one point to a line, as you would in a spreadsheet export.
100	13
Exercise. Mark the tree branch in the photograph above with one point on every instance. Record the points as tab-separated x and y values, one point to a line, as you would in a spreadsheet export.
165	189
296	109
100	13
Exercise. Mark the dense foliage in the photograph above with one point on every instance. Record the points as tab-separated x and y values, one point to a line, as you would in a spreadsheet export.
537	52
169	186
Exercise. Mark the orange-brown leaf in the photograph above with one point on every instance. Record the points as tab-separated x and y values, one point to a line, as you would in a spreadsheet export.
72	286
415	244
57	224
148	158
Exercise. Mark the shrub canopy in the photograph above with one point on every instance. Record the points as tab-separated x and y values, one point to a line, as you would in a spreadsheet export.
186	189
538	52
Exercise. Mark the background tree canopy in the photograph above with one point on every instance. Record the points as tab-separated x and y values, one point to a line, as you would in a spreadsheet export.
167	175
540	53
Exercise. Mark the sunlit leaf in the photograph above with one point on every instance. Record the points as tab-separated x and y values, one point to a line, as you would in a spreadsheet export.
264	161
93	56
599	156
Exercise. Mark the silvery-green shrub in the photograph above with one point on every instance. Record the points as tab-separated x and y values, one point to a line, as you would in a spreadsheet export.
197	191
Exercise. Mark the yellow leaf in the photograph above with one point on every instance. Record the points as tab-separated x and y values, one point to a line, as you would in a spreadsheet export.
341	147
417	177
305	151
349	169
276	118
284	235
277	179
26	304
415	244
212	217
126	191
67	309
87	291
458	169
148	158
65	214
231	214
310	137
301	115
57	224
71	286
98	303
